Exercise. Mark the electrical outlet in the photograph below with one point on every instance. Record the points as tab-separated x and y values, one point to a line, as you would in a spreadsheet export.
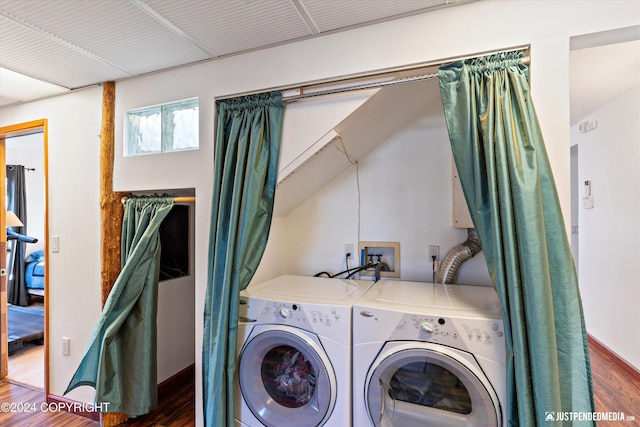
434	251
349	251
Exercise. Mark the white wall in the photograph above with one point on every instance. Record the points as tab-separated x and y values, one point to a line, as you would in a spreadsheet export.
405	196
74	215
609	270
74	291
461	30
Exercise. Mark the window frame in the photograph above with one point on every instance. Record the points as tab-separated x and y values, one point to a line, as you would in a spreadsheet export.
165	112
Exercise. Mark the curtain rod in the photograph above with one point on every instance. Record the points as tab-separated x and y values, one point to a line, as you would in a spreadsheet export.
179	199
184	199
25	168
372	85
373	74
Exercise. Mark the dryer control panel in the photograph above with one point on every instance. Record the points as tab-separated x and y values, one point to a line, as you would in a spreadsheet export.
484	337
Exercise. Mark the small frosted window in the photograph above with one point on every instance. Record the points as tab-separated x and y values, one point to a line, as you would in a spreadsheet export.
163	128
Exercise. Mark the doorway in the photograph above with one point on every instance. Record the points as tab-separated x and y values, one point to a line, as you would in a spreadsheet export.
24	322
605	152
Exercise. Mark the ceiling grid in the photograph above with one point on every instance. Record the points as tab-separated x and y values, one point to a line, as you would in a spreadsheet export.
74	44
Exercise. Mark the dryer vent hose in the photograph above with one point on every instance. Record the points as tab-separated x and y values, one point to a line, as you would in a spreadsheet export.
453	260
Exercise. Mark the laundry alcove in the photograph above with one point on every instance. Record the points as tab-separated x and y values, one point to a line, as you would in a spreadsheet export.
475	137
400	191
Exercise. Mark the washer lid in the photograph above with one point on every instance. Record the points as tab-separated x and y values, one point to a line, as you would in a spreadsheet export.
305	289
286	378
413	384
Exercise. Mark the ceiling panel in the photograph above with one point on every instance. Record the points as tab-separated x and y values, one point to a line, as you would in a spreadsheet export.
86	42
76	43
118	32
48	60
331	15
228	27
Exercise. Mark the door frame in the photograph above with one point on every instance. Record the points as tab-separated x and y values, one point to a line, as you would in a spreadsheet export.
21	129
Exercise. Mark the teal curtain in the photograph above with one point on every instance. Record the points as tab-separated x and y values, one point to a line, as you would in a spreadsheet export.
120	362
248	136
17	292
509	188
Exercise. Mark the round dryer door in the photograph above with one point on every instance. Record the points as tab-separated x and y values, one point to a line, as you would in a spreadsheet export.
286	378
422	384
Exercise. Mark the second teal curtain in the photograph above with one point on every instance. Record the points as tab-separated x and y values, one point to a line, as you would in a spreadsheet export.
507	181
247	150
120	362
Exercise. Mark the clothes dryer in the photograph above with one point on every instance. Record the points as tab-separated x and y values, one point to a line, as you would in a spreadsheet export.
428	355
294	352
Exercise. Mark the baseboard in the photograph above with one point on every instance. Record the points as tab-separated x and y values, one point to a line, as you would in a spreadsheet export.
166	387
165	390
72	406
617	360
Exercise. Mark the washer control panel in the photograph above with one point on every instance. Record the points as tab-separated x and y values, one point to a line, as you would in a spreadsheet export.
478	336
323	319
284	313
288	313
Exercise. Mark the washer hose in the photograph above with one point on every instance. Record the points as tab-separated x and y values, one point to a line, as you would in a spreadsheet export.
453	260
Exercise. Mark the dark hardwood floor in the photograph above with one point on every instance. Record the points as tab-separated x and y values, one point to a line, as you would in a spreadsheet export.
177	409
615	390
26	404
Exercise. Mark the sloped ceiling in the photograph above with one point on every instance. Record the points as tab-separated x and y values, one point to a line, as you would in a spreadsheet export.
362	128
73	44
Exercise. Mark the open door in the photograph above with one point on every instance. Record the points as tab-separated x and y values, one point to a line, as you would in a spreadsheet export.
37	126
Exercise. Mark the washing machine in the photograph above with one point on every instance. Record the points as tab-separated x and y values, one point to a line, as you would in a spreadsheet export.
294	352
428	354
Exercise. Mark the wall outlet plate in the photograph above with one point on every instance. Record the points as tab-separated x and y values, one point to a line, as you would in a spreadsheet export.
349	249
65	346
434	251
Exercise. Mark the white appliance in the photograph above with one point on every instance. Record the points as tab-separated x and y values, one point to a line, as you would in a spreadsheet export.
294	352
428	355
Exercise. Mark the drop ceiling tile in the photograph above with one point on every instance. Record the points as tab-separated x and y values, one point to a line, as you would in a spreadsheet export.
226	27
331	15
118	32
75	43
48	60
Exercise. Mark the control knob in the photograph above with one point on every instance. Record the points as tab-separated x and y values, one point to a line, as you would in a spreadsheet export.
284	313
426	328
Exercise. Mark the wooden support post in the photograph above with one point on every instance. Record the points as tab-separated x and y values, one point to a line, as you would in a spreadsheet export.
111	213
